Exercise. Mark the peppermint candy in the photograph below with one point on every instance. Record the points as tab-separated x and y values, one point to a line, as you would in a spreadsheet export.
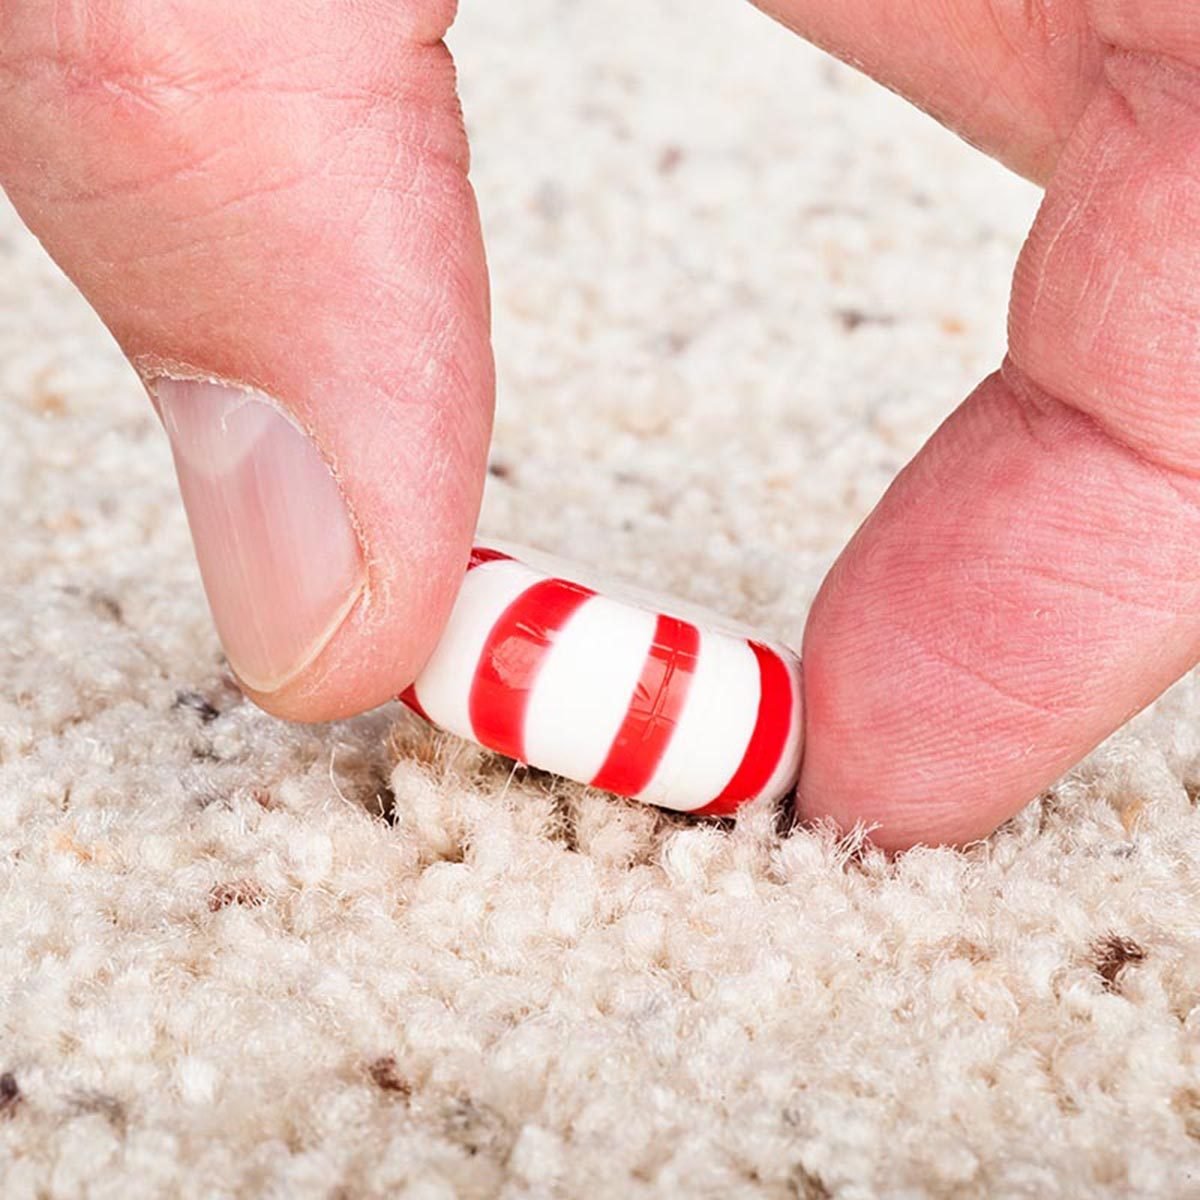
618	689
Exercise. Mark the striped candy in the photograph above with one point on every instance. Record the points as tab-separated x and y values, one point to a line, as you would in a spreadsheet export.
603	689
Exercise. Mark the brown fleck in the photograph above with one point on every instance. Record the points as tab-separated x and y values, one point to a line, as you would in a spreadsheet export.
1131	814
971	951
563	825
198	703
854	318
48	401
824	210
499	470
673	342
65	522
245	892
385	1075
1112	954
1187	1104
807	1186
476	1127
953	326
669	158
62	840
104	605
10	1094
263	798
109	1107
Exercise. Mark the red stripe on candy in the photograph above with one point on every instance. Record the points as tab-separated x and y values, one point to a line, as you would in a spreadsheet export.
654	709
485	554
409	698
768	739
512	656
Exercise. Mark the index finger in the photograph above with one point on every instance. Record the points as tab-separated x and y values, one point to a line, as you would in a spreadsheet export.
1011	78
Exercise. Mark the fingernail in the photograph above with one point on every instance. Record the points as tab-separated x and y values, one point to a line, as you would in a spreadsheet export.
279	557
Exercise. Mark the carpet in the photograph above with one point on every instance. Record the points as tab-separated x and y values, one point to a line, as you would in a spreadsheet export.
735	286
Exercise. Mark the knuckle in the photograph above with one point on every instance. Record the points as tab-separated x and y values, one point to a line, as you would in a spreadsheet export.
137	91
101	83
1170	29
1104	303
97	45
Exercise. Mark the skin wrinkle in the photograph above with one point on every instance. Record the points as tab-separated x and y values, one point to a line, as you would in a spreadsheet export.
1016	59
1182	483
146	187
1116	428
251	193
411	191
1046	278
1106	304
1106	18
429	319
160	89
145	184
1095	588
1127	76
142	187
965	669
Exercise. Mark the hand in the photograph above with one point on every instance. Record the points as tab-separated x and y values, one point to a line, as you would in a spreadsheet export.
274	195
283	206
1031	579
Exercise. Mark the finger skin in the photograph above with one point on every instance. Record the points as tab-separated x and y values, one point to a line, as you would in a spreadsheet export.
1105	304
1031	580
282	204
1010	77
1169	27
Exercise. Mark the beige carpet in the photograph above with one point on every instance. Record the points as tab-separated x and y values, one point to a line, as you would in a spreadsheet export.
735	286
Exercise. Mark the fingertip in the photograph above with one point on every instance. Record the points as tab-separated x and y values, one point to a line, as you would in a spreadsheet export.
853	774
887	825
375	654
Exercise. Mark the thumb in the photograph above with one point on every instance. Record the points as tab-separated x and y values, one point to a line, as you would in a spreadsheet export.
274	219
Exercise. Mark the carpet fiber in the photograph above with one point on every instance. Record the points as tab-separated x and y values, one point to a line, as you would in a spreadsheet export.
735	287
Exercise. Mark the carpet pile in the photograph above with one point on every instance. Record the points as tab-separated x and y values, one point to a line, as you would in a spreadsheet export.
735	286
